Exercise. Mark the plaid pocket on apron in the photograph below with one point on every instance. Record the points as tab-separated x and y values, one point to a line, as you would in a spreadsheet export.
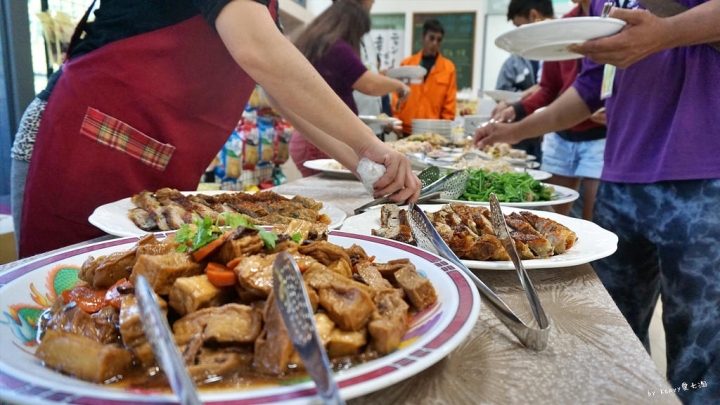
120	136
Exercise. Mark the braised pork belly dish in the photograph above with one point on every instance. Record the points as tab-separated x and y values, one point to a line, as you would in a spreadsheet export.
215	286
168	209
468	232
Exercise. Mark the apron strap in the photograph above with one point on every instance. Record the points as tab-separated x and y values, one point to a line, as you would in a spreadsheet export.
80	28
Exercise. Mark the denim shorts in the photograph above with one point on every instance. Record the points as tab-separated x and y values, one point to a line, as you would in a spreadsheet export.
572	159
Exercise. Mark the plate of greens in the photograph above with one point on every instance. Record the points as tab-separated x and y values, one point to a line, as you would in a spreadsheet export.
513	189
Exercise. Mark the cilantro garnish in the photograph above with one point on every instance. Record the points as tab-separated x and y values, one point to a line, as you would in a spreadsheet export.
205	231
296	237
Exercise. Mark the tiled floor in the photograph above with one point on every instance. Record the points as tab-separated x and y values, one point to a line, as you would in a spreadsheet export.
657	339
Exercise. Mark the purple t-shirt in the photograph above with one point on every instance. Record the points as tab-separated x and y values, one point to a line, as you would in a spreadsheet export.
663	116
341	67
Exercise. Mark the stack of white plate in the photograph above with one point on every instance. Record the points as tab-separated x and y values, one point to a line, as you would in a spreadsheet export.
440	127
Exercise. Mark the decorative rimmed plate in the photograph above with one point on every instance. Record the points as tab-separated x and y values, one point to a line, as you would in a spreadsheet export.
548	40
330	167
561	195
29	288
112	218
593	241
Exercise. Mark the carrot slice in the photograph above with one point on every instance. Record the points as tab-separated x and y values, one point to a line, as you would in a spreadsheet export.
113	297
219	275
234	262
88	299
205	251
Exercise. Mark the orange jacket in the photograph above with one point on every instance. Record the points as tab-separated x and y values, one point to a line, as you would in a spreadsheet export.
433	99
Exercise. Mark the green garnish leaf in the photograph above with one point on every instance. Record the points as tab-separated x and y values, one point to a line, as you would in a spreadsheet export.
269	238
296	237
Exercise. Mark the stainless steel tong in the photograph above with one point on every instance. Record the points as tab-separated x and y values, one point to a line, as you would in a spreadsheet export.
429	239
447	187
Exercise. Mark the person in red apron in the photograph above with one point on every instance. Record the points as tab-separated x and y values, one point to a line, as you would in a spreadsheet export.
152	109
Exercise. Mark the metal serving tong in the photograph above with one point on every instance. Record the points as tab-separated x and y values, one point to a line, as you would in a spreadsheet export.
294	305
448	187
429	239
163	345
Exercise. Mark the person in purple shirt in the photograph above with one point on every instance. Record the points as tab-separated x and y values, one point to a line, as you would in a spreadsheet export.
660	188
332	44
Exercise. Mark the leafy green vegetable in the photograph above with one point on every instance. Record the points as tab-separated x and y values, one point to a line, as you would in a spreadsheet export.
205	231
296	237
508	187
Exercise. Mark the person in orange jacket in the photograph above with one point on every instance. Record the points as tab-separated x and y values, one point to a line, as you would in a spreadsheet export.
434	98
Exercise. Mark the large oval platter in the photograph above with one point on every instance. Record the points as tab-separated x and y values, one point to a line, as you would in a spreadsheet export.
29	288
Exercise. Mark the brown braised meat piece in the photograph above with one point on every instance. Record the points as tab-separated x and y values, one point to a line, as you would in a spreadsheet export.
255	274
273	347
389	323
230	323
371	276
331	255
131	329
100	326
83	357
319	277
243	242
557	234
325	327
348	306
388	269
105	271
206	364
162	271
357	254
346	343
189	294
418	289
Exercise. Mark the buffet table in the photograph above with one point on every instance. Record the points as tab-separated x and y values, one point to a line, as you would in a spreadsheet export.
592	355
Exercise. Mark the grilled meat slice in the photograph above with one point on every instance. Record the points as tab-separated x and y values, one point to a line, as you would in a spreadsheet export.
142	219
557	234
540	246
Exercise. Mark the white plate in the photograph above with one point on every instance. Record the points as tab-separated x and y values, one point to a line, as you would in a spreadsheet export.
548	40
562	195
503	95
330	168
485	155
407	72
372	119
593	241
113	218
433	333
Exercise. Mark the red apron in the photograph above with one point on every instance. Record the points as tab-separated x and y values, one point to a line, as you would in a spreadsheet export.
142	113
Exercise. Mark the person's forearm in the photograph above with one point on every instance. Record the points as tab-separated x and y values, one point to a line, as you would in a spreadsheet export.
565	112
377	85
699	25
283	72
331	146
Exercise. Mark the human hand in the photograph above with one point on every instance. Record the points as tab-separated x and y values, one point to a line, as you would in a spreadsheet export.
395	126
643	35
399	179
403	93
599	117
505	115
494	132
499	107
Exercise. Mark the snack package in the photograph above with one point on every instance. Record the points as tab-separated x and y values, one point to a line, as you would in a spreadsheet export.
266	131
258	99
231	161
283	134
251	143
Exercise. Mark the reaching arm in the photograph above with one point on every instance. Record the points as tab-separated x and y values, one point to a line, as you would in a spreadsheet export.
374	84
565	112
646	34
256	44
